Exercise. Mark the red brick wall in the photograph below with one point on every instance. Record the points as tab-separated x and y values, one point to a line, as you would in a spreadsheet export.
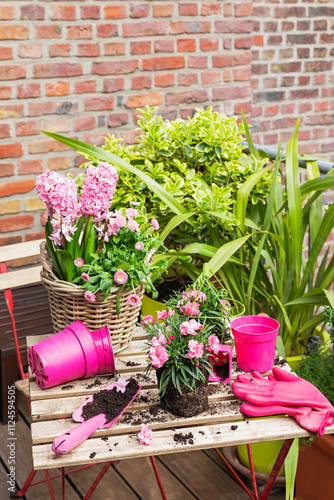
83	67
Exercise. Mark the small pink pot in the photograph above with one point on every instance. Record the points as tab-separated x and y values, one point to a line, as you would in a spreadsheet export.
222	358
255	342
73	353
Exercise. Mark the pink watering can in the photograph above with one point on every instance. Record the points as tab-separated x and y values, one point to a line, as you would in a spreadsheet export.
73	353
69	440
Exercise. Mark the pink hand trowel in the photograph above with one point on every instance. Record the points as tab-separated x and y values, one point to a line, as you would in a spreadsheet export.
66	442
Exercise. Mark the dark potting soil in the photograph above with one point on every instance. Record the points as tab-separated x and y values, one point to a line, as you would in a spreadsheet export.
92	455
222	371
132	363
184	438
65	387
95	383
111	403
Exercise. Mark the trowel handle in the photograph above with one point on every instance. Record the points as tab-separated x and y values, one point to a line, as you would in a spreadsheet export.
66	442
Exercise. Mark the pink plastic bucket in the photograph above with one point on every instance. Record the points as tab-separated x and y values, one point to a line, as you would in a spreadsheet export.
255	342
73	353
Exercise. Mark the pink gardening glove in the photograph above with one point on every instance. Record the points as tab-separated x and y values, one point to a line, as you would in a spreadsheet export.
281	388
287	394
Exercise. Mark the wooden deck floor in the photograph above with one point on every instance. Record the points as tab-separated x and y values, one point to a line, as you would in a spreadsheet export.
186	476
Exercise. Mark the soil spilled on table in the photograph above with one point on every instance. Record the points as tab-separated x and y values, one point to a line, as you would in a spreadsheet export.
184	438
110	402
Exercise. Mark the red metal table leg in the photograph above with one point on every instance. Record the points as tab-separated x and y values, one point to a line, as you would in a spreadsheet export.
26	485
62	473
97	480
48	480
275	470
158	478
251	466
235	475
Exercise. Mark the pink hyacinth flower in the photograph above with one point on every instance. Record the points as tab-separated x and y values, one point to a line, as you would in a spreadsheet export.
98	189
214	343
145	435
120	277
139	245
161	315
85	276
90	296
121	385
134	300
196	349
155	224
79	262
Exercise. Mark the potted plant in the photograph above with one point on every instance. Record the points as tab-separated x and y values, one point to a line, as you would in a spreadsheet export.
182	345
315	463
96	262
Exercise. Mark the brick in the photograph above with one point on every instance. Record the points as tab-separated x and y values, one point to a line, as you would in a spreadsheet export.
57	88
4	131
200	62
60	50
322	12
40	146
303	25
209	77
303	53
242	74
32	12
107	30
10	240
259	69
42	108
320	25
59	163
165	80
321	106
115	11
88	49
146	28
319	52
114	67
84	123
160	63
269	82
83	87
14	32
235	92
16	187
318	65
48	31
10	207
99	103
319	120
31	166
272	110
290	67
286	53
36	235
11	111
141	47
243	43
31	50
305	38
7	169
288	81
57	125
304	135
304	94
258	40
227	42
260	11
12	150
270	26
54	70
139	10
187	79
163	10
90	12
326	38
67	107
228	10
164	45
33	204
243	9
274	40
321	80
236	59
270	96
141	82
189	27
31	127
5	92
113	84
290	12
84	31
327	148
118	120
6	52
114	49
188	9
286	122
227	75
95	139
210	9
12	72
304	80
186	45
233	26
186	97
7	12
16	223
64	13
209	44
141	100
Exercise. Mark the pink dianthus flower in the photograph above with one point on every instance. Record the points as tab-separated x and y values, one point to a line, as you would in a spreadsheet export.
158	356
196	349
161	315
145	435
190	327
214	343
147	320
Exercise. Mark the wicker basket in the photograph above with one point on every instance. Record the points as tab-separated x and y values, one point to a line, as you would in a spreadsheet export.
67	304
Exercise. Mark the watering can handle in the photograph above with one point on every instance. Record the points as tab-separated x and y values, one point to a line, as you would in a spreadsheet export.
69	440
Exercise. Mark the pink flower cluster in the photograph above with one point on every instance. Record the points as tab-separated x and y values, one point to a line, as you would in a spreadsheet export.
190	309
196	349
98	189
158	354
147	320
214	344
190	327
163	314
58	193
145	435
194	294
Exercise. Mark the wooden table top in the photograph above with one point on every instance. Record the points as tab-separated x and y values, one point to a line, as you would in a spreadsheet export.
51	411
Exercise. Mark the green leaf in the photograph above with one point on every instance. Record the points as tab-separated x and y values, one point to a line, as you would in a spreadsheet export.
67	264
174	222
225	252
291	463
248	136
53	255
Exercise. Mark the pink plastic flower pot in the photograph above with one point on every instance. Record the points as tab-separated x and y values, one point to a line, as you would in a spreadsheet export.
222	359
73	353
255	342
